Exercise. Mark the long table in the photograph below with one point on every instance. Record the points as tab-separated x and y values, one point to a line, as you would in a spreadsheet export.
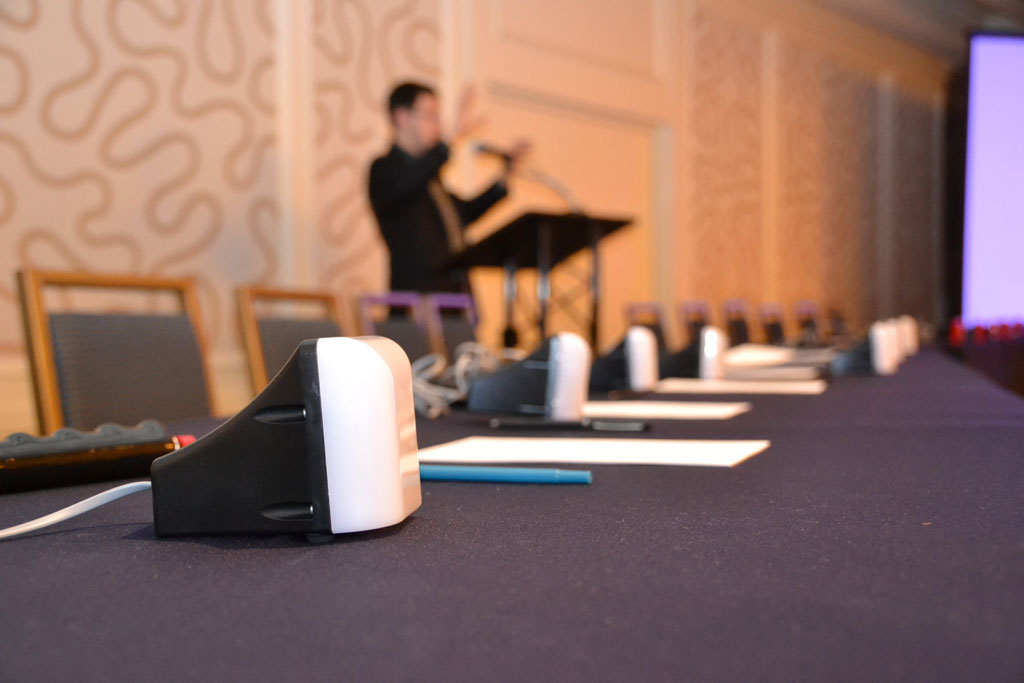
881	537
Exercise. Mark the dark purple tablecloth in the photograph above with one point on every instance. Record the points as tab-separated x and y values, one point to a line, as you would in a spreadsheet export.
881	537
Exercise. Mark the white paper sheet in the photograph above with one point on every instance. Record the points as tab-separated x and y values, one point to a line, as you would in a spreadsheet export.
774	373
664	410
681	385
818	356
765	356
756	355
597	451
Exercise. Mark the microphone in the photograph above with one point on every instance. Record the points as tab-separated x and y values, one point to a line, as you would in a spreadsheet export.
485	148
537	175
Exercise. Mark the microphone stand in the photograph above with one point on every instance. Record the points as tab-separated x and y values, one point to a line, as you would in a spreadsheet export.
556	186
575	208
544	280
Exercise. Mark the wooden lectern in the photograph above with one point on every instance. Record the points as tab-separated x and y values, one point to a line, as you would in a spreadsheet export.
542	241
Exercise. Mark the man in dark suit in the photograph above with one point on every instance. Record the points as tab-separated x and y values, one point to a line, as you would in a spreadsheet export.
422	223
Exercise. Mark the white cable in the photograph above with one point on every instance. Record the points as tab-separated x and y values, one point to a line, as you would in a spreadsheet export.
436	387
76	509
429	399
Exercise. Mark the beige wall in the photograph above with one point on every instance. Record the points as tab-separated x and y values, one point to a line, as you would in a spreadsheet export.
766	148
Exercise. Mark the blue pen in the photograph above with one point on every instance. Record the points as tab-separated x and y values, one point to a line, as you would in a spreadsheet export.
513	475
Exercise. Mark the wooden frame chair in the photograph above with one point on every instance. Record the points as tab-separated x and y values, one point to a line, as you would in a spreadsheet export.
64	380
269	341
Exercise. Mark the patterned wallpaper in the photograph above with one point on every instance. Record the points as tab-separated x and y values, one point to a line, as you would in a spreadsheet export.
727	195
828	160
138	136
360	50
914	159
803	134
849	236
824	119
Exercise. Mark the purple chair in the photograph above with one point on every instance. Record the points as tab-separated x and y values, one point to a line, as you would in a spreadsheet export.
453	319
736	321
771	323
649	314
405	322
695	315
807	323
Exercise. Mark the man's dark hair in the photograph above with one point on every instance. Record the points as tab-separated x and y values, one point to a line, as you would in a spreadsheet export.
404	96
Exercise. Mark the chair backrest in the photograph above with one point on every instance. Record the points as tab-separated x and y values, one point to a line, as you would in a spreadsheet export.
452	318
771	323
807	322
736	321
271	339
405	322
837	327
695	315
95	367
648	314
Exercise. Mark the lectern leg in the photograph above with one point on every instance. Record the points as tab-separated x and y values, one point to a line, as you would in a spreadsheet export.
595	284
543	299
543	277
510	338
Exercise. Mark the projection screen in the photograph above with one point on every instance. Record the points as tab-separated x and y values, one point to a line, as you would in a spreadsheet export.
993	267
